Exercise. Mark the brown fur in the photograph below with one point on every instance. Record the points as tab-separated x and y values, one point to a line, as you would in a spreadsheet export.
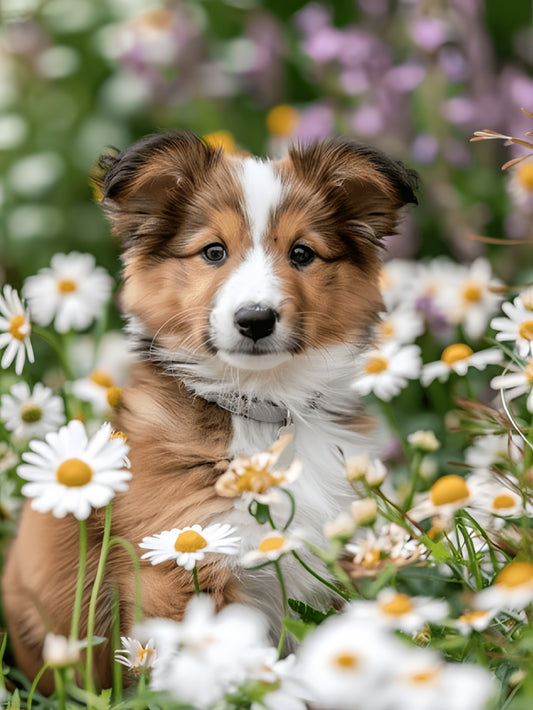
167	197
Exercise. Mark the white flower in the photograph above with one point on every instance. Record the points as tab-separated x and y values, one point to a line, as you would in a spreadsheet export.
458	358
206	654
512	588
136	656
387	369
71	292
59	651
517	327
15	330
373	471
69	473
344	663
494	448
270	548
422	681
391	545
520	185
424	441
402	325
497	496
107	370
31	413
517	382
448	494
396	280
477	620
190	545
395	610
470	297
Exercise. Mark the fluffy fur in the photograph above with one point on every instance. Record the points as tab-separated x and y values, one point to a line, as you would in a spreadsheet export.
298	240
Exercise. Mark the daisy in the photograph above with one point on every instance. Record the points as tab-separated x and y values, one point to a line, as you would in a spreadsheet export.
448	494
136	656
395	610
59	651
403	325
373	471
395	281
190	545
387	369
470	297
254	476
512	588
517	327
477	620
424	441
343	663
520	185
515	383
392	545
432	280
70	473
493	449
458	358
71	292
272	546
31	413
15	331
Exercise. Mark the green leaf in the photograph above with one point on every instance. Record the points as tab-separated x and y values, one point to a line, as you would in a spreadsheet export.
309	614
297	628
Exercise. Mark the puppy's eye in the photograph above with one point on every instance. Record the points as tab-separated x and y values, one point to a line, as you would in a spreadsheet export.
301	255
215	253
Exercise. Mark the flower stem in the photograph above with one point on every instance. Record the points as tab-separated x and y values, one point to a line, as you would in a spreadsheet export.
75	624
197	589
35	683
94	598
293	508
344	594
59	680
279	574
415	471
56	345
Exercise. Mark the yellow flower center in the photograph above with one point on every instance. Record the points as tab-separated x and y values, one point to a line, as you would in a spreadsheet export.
346	661
74	473
448	489
117	434
472	292
31	413
386	329
425	677
399	605
504	500
376	364
472	616
275	542
221	139
18	328
525	330
515	574
525	175
371	557
114	397
190	541
529	371
144	653
66	286
255	480
282	120
101	378
456	352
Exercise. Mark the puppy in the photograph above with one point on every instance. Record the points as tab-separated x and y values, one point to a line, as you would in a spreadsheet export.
251	288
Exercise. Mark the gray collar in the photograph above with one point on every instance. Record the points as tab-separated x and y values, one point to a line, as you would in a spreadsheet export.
250	407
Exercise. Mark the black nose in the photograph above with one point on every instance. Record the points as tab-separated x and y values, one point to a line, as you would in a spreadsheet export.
255	322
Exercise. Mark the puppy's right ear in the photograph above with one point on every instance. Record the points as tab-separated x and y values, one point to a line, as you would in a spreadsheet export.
146	189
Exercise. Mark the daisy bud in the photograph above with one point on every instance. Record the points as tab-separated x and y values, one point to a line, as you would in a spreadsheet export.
360	467
424	441
59	651
364	511
342	528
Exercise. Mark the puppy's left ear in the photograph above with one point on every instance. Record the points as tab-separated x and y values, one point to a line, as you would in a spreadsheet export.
362	184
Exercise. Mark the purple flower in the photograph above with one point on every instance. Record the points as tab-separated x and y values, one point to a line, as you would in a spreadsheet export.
429	33
316	123
424	148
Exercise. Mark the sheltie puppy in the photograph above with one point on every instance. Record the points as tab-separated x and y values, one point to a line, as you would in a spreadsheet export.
251	288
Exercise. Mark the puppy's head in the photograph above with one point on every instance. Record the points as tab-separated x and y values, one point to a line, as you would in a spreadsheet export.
249	260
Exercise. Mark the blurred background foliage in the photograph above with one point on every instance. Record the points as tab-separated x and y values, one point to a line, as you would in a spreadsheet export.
414	77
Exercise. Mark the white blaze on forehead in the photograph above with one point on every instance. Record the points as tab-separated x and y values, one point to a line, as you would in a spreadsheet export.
263	191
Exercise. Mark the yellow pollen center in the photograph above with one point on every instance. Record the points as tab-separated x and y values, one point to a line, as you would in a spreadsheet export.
472	292
114	397
74	473
456	352
346	661
386	329
282	120
525	175
31	413
472	616
143	653
525	330
101	378
376	364
529	371
424	677
66	286
515	574
117	434
271	543
190	541
504	500
18	327
372	557
399	605
255	480
448	489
